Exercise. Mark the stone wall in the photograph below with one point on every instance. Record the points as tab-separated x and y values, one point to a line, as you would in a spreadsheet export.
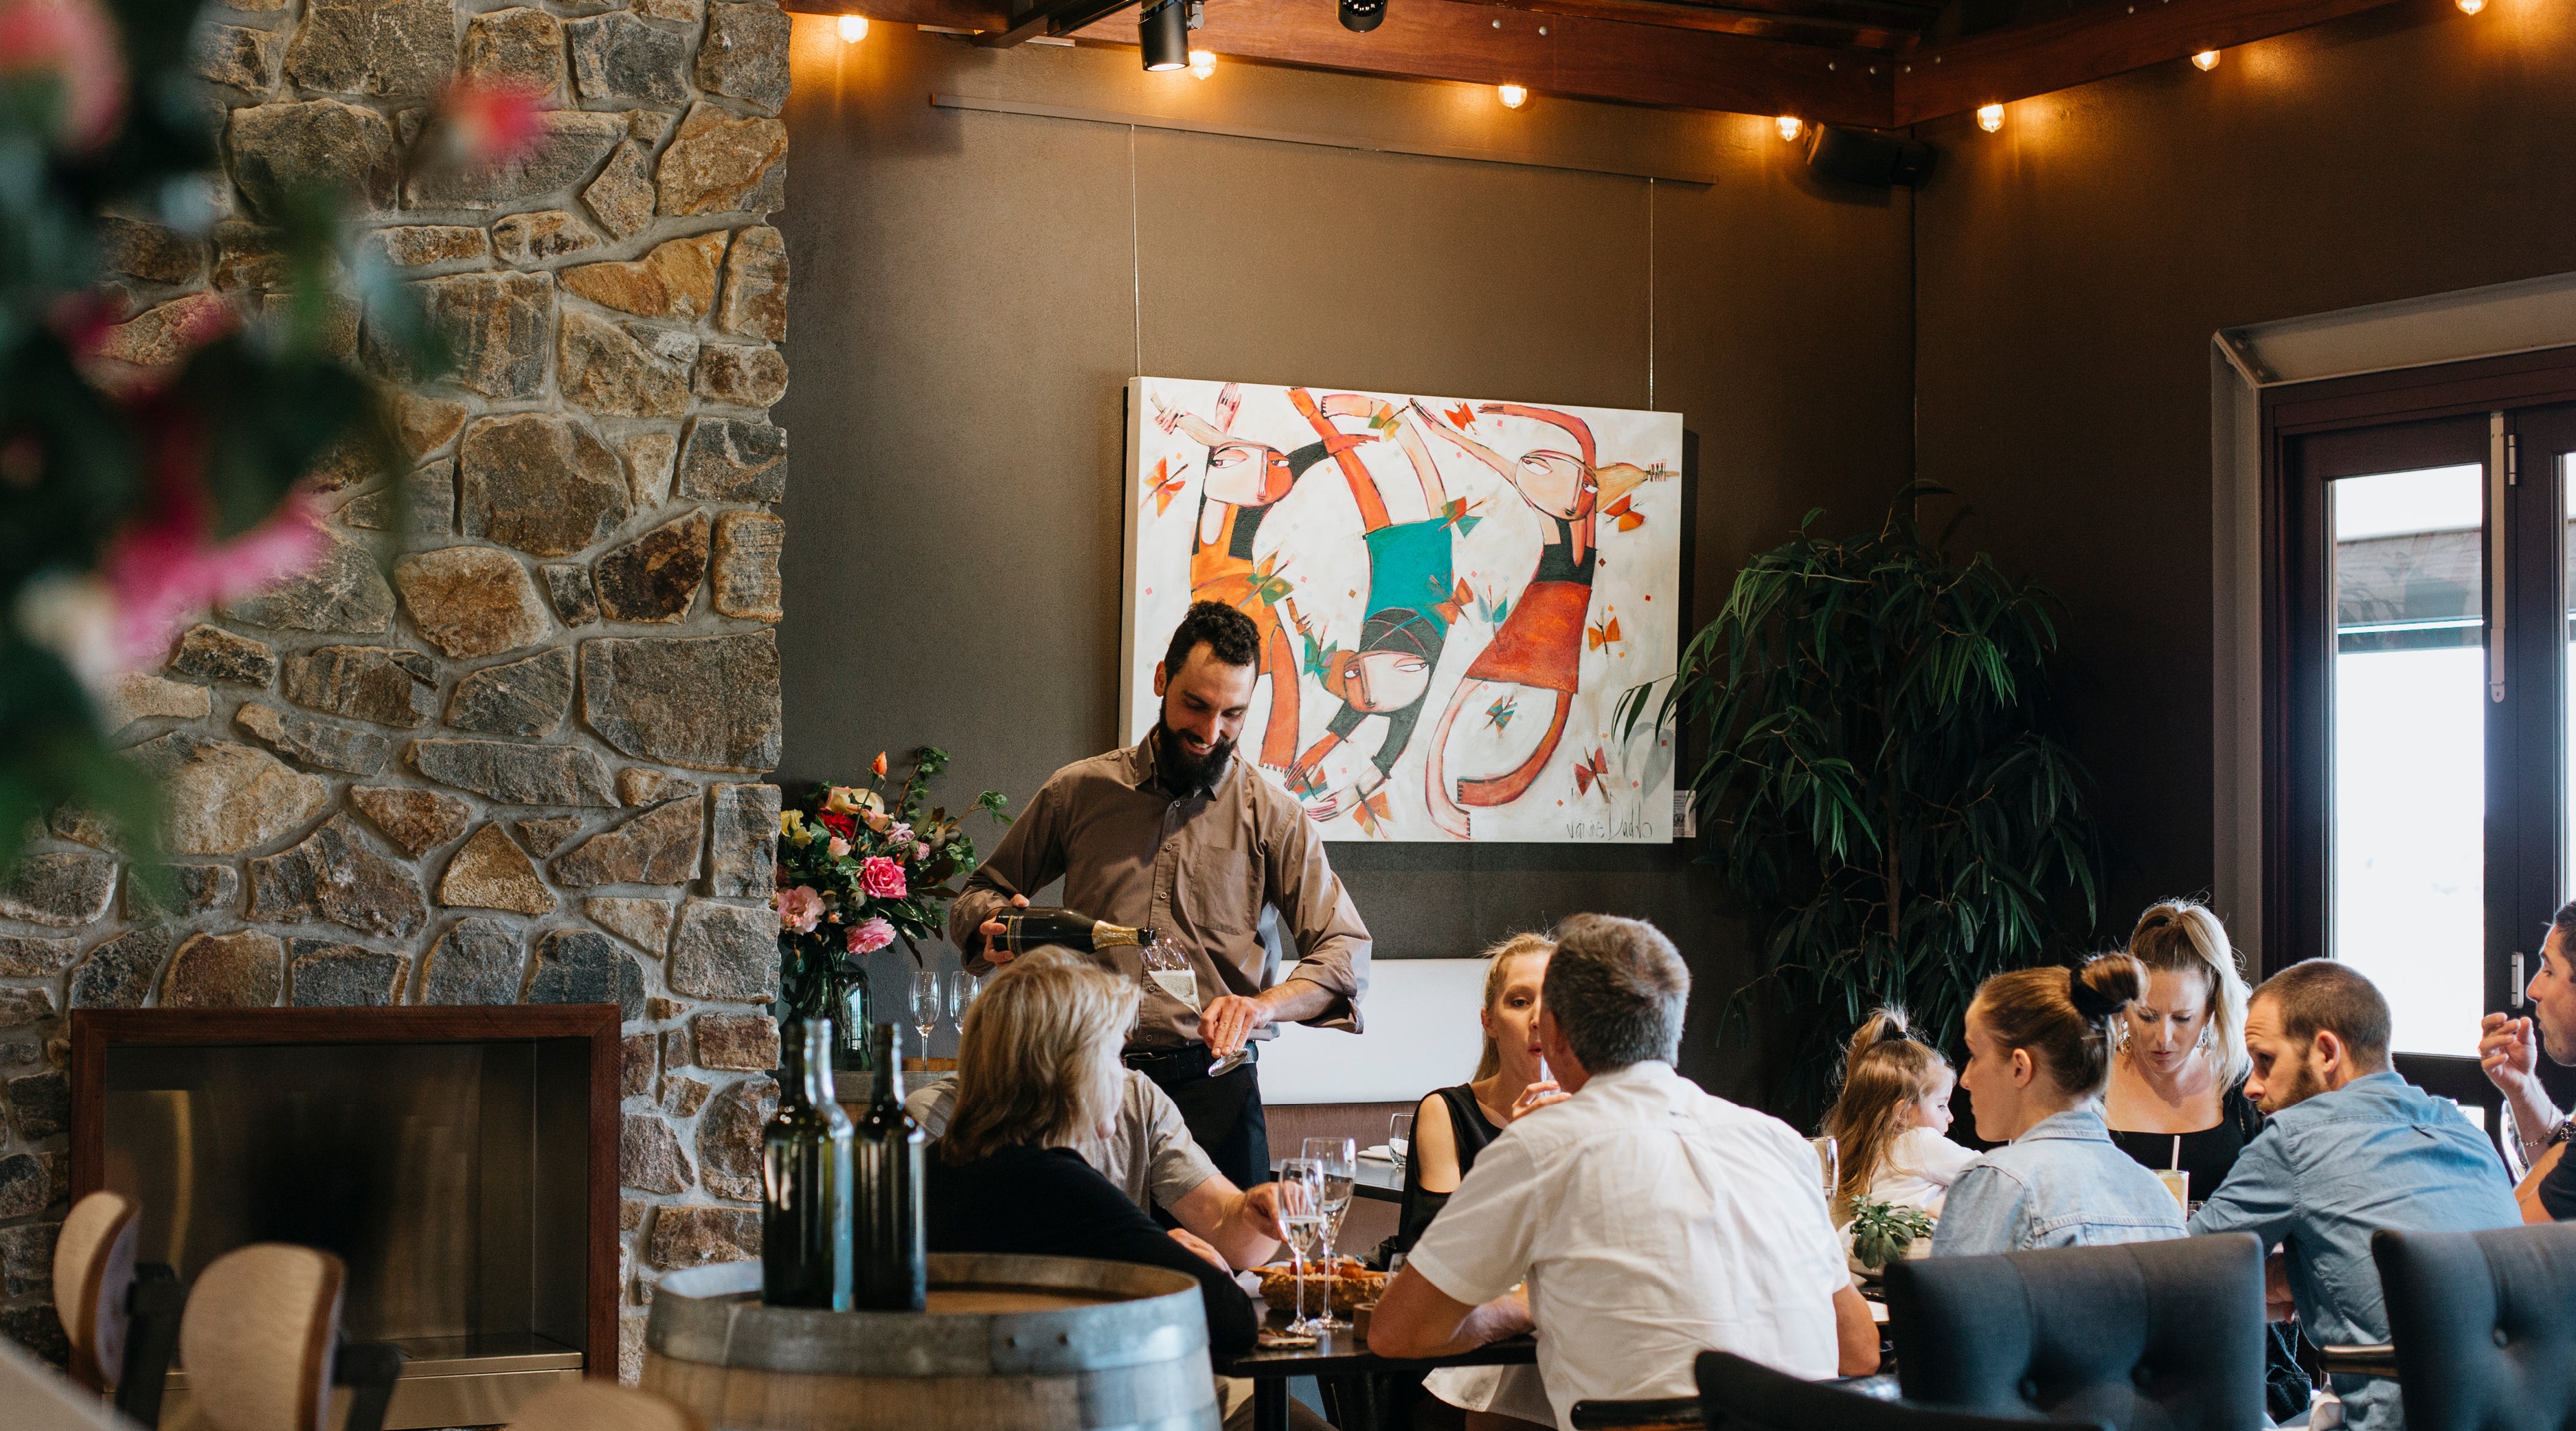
522	763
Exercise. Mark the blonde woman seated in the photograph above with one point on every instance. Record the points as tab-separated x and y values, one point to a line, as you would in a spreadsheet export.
2039	1051
1038	1074
1451	1127
2177	1092
1891	1123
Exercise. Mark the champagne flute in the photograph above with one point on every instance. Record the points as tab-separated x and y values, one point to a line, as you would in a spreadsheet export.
925	1006
1301	1212
1399	1137
1169	970
962	989
1338	1158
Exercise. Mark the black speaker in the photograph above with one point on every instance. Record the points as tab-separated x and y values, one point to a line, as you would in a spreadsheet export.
1865	156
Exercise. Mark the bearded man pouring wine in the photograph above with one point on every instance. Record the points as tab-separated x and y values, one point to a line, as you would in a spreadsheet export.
1177	836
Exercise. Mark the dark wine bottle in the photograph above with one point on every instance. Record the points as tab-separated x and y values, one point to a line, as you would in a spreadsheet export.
892	1236
1027	929
806	1175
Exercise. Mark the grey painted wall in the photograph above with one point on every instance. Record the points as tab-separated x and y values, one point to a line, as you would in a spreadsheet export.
973	290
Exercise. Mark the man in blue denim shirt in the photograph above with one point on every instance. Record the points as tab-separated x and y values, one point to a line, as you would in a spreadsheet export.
2351	1148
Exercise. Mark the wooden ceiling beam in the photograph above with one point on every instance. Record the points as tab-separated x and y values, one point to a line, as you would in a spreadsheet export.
2019	61
1876	32
1578	56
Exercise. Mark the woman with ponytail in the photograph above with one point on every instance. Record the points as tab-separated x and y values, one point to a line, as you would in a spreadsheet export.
2039	1051
2177	1094
1892	1122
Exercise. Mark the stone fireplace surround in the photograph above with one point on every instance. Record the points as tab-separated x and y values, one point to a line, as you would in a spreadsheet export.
525	768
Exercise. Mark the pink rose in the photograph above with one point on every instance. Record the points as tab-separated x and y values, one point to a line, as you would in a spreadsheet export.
72	42
882	878
799	909
900	835
839	847
870	936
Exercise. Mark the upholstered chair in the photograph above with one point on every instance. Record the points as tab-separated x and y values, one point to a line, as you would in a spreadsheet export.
2483	1325
2140	1336
259	1337
93	1268
1740	1395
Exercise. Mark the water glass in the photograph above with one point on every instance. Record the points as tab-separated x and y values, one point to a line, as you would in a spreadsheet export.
1399	1137
1829	1159
925	1006
1301	1211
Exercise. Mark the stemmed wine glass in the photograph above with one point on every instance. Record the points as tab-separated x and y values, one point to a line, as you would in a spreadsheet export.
962	989
925	1006
1169	970
1338	1158
1301	1211
1829	1161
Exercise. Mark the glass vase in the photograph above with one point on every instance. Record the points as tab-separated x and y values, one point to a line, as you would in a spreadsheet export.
851	1022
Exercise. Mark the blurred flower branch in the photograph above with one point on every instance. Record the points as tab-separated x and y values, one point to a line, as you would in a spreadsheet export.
134	498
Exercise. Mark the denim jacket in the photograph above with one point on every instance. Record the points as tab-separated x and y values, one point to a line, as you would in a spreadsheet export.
2325	1174
2064	1183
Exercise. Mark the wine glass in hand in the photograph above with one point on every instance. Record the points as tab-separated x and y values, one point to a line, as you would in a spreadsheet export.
925	1006
1338	1158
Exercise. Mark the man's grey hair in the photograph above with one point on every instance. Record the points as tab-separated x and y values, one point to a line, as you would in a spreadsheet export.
1617	989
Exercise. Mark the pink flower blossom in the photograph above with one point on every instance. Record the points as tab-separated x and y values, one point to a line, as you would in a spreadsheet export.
799	909
882	878
838	847
485	124
72	42
869	936
900	835
163	571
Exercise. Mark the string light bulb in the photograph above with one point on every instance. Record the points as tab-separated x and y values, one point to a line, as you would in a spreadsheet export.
1990	117
1513	96
854	28
1791	126
1203	63
2206	59
2470	7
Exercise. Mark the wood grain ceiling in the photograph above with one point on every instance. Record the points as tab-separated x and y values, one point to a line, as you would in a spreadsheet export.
1877	63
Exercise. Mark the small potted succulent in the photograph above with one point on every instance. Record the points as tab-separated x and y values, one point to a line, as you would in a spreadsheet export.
1884	1232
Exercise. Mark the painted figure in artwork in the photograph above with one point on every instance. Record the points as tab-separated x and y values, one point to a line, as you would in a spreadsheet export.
1413	599
1540	644
1245	481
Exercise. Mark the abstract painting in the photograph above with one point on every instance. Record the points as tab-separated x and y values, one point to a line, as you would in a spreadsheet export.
1452	595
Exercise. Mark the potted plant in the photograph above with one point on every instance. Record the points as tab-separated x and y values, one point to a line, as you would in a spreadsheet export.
1880	781
1883	1232
857	871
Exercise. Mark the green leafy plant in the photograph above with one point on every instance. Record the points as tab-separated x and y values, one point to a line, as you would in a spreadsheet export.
1882	1231
1880	783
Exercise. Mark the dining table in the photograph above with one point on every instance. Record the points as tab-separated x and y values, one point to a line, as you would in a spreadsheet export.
1355	1381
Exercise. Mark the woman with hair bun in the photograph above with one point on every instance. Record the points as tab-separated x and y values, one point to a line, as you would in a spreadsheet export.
2177	1093
2039	1051
1892	1120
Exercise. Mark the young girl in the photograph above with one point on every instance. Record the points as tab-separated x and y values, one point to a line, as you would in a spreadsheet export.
1892	1122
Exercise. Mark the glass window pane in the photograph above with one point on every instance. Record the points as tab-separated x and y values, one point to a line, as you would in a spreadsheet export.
2409	777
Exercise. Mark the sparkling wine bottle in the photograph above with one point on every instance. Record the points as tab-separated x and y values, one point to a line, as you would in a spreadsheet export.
892	1235
1027	929
806	1177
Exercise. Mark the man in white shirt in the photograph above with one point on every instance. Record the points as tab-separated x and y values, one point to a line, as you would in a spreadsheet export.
1644	1220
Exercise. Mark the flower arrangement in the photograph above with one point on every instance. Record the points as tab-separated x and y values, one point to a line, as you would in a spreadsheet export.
859	870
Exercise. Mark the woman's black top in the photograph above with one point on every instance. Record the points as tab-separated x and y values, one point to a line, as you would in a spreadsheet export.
1474	1130
2207	1155
1048	1202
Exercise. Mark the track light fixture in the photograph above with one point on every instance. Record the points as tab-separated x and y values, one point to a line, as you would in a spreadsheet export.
1362	16
1164	32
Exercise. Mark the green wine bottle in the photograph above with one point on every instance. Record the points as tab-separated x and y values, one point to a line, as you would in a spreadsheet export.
806	1175
893	1237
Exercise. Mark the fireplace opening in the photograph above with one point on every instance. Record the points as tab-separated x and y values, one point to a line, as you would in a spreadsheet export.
451	1158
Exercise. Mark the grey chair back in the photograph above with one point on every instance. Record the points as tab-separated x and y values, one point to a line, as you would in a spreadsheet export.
2484	1325
1740	1395
2142	1336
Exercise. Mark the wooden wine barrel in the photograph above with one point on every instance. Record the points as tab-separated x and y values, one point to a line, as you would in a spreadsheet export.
1008	1344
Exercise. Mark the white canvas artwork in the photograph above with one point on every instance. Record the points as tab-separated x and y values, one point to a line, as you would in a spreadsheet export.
1452	594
